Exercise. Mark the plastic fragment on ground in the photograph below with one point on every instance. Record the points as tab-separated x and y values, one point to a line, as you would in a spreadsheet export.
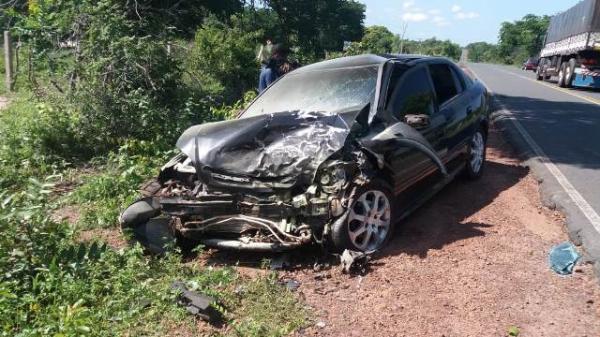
563	258
196	303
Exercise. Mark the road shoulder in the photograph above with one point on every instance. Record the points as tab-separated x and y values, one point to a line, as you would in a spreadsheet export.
580	229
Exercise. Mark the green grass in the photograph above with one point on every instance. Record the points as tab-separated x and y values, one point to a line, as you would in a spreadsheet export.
53	285
102	195
22	152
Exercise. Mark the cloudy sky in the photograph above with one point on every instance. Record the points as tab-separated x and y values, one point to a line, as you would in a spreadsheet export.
462	21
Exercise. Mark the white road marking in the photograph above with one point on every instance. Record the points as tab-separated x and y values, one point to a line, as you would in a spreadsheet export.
577	198
585	98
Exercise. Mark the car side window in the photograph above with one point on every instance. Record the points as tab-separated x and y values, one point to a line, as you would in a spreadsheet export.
459	79
467	80
443	81
411	94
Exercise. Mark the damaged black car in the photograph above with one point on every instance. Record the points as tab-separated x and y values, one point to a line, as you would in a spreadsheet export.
333	153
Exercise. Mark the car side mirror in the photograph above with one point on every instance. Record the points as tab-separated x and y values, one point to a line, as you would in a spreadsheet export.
417	121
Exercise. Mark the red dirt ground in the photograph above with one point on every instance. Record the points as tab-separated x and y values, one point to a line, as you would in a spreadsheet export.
472	262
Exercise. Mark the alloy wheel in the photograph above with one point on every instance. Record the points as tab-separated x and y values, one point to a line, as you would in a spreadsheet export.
477	152
369	220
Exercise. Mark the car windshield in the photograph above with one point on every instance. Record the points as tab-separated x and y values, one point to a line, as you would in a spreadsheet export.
326	91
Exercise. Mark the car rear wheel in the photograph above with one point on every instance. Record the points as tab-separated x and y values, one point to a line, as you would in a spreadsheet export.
476	155
369	223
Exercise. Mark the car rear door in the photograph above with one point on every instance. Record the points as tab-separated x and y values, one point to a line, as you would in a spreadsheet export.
453	105
411	100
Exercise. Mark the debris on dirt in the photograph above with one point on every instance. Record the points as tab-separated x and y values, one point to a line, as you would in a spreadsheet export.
513	331
291	285
321	324
280	262
197	304
563	258
353	261
322	276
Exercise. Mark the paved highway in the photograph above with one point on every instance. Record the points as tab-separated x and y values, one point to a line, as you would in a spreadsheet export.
562	125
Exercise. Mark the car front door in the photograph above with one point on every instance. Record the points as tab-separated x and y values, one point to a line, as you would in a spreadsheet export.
411	100
453	105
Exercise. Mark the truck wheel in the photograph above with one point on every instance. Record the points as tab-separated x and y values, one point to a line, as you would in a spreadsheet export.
561	75
369	224
570	72
540	71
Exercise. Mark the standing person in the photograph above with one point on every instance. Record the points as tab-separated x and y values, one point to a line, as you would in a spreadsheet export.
264	54
276	66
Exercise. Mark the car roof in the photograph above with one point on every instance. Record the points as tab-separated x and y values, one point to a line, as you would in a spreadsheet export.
367	60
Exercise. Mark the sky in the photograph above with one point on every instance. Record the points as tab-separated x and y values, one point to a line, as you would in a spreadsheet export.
462	21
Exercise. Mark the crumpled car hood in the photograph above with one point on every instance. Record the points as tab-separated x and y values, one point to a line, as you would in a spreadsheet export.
273	146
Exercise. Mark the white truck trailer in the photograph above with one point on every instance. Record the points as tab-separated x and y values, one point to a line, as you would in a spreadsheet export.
572	47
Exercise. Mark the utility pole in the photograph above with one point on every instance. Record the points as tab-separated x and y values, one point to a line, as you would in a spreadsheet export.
8	61
403	30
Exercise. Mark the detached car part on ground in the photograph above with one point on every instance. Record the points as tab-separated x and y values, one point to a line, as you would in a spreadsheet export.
333	153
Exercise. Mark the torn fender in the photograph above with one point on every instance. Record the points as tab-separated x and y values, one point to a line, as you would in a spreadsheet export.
402	134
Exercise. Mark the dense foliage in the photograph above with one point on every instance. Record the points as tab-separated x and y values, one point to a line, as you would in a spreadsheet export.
517	41
379	40
483	52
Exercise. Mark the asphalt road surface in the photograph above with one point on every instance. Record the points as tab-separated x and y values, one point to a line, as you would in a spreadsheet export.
564	125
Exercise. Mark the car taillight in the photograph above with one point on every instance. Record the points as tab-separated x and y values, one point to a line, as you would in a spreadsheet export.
589	62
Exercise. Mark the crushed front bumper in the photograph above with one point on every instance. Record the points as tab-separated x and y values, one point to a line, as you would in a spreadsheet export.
241	222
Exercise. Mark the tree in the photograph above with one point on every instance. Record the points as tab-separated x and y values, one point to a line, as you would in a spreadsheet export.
222	59
316	26
522	38
483	52
433	47
378	40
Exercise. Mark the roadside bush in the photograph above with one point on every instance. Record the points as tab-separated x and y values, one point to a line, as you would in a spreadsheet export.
26	130
102	196
231	111
223	60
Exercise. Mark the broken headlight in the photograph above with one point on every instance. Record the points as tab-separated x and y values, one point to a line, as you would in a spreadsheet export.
332	178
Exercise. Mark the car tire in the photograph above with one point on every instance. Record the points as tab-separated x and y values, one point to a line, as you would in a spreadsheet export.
155	235
366	228
570	72
475	162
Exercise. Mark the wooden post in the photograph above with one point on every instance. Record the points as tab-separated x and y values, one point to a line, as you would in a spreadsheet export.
8	64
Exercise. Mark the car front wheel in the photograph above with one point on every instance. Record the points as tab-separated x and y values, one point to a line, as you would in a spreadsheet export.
369	222
476	155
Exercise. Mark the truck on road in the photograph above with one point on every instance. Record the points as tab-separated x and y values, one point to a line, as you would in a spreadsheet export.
572	47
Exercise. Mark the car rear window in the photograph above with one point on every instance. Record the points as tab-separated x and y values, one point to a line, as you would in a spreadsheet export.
443	81
411	94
